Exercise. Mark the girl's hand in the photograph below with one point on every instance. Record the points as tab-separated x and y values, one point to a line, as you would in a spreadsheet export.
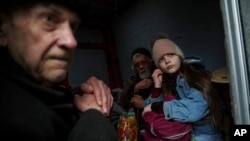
157	77
147	109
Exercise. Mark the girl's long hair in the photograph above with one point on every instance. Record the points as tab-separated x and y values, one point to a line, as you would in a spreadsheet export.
201	80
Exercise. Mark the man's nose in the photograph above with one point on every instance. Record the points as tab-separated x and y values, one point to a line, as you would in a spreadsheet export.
141	65
67	38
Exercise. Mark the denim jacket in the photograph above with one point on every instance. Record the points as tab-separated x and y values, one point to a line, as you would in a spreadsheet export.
191	106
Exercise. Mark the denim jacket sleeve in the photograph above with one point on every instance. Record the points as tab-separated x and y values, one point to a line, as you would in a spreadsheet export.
191	106
150	100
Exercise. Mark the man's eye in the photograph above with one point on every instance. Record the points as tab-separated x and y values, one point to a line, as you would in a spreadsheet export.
48	18
49	21
136	65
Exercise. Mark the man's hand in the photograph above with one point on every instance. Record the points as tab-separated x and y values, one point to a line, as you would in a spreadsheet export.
143	84
87	101
137	101
100	91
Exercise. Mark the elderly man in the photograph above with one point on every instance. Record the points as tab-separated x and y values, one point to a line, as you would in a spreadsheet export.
37	45
138	86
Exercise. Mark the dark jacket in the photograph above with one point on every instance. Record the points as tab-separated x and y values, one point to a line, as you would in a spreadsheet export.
32	112
128	91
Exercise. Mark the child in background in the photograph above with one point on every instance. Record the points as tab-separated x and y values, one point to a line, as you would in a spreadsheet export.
195	100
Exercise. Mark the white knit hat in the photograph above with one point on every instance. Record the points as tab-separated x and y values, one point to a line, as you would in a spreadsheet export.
165	46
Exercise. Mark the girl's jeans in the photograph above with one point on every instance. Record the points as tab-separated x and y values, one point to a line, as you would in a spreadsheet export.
206	132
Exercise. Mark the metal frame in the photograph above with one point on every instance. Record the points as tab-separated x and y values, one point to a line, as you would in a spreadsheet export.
236	56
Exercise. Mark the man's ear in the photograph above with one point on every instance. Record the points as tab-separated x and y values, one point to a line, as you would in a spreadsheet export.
3	38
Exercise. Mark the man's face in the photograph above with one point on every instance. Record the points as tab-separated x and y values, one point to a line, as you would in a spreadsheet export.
41	40
142	65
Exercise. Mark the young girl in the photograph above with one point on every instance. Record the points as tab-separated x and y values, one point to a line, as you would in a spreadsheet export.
196	100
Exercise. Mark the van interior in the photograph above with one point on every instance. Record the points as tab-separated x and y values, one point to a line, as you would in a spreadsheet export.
215	30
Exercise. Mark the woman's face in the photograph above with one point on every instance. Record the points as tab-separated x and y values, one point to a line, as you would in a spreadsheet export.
41	40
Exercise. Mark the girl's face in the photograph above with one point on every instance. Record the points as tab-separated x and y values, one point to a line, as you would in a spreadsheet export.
166	57
169	63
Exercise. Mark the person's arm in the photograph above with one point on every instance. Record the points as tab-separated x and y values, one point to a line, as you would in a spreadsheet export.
127	93
191	107
143	84
154	102
155	96
137	101
93	126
